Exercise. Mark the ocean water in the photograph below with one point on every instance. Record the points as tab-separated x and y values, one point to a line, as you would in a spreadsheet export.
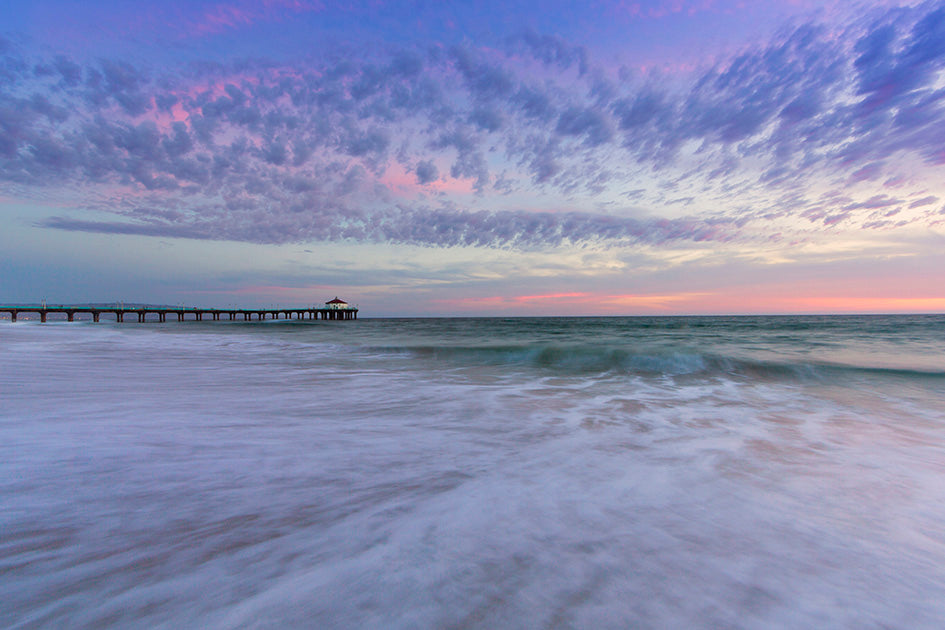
749	472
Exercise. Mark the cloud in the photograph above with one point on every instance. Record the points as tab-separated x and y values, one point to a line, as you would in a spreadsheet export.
268	152
105	227
588	123
484	80
534	104
553	51
441	227
924	201
226	16
486	119
426	172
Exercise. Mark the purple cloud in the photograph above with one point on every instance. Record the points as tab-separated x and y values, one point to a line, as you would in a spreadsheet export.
426	172
414	226
268	152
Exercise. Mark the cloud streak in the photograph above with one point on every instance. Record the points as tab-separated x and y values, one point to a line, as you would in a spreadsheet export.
521	230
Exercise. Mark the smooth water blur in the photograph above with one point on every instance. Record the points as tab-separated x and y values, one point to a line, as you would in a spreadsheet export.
755	472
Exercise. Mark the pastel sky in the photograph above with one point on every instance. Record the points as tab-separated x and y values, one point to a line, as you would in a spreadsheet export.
482	158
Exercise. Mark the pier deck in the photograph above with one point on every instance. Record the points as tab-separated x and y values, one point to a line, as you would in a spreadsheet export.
182	314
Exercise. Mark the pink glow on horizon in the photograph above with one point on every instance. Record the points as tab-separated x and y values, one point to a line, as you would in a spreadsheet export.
764	301
513	299
873	305
745	301
551	296
576	302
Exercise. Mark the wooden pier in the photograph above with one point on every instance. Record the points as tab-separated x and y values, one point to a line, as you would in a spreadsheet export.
160	313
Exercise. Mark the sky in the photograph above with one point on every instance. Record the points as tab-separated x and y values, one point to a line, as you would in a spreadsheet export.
422	158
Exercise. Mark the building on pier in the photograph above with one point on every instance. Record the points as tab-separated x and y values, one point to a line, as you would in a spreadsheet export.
337	304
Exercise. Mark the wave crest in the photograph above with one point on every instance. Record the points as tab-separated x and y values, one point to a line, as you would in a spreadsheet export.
603	359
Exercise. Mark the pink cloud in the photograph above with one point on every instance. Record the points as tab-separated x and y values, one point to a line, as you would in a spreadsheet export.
223	17
403	183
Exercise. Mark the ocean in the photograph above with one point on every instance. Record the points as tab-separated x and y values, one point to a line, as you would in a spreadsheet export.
651	472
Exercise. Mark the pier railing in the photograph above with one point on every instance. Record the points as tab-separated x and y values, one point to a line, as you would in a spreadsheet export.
182	313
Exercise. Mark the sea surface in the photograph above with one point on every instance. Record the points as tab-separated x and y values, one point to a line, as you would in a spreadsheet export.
703	472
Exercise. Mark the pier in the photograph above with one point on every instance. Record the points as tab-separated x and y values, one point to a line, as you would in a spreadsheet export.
161	313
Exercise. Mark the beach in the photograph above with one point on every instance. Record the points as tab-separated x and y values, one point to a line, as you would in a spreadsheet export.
649	472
